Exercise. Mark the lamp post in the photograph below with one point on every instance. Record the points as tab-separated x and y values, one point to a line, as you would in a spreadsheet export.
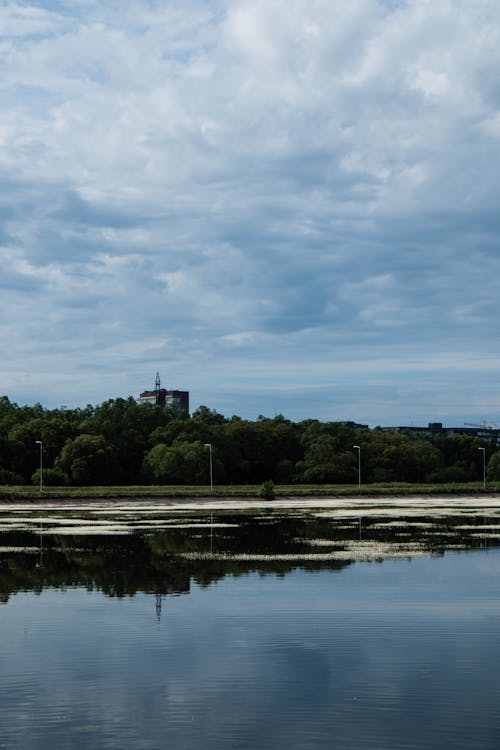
39	442
359	463
484	467
209	445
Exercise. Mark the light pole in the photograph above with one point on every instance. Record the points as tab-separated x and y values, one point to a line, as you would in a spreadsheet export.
39	442
209	445
484	467
359	463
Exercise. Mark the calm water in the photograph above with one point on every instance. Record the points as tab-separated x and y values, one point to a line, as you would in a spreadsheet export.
187	637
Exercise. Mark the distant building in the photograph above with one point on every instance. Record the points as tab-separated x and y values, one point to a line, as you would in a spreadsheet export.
490	434
162	397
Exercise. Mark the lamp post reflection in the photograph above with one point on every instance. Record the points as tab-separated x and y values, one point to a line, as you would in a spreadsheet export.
39	564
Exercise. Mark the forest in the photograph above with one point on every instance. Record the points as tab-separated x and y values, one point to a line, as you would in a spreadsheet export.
122	442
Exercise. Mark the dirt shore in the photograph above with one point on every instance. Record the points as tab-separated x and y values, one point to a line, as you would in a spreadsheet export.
387	505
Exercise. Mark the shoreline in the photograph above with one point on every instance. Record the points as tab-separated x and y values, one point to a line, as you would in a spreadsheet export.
389	503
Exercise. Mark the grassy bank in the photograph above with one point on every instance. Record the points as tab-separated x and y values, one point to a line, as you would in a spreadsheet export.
12	494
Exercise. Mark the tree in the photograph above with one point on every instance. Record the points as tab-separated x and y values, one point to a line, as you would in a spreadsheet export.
51	477
461	459
22	439
8	477
209	416
398	457
181	463
493	469
126	426
87	459
325	463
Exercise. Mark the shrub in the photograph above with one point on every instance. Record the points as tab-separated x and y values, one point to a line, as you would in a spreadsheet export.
9	477
266	490
51	477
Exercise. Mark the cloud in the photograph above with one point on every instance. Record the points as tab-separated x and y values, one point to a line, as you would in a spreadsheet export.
266	193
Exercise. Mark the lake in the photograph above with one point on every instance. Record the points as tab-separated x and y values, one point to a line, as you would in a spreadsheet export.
265	629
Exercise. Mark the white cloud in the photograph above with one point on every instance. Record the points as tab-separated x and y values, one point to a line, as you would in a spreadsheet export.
271	186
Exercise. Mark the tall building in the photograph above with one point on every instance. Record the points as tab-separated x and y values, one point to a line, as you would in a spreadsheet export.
163	397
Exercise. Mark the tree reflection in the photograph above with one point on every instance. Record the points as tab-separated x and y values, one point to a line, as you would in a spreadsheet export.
165	562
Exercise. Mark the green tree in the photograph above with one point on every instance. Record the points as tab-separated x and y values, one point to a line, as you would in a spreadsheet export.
493	468
181	463
87	459
461	459
51	477
208	416
325	462
126	426
22	439
398	457
9	478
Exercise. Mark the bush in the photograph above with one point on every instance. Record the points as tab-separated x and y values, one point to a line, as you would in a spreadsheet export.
51	478
9	477
267	490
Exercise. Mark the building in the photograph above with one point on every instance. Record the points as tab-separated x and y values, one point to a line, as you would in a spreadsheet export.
162	397
490	434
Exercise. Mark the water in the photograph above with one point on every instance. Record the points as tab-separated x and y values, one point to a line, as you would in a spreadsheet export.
235	636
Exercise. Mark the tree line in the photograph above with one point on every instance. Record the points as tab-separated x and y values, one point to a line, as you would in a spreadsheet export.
122	442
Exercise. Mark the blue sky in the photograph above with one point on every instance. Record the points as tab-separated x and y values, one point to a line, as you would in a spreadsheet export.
282	206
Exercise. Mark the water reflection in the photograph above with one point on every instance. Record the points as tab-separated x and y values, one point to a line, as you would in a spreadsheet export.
285	637
163	554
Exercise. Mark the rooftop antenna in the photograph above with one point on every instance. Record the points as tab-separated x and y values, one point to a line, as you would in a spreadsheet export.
157	388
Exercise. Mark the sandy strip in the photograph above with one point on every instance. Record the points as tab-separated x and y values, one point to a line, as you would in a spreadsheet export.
335	506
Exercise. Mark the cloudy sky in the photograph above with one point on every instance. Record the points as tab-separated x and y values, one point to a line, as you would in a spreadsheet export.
283	206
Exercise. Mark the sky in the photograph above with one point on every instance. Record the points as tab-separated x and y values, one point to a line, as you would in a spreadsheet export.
282	206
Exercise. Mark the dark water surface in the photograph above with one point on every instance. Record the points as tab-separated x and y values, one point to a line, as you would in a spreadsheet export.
247	633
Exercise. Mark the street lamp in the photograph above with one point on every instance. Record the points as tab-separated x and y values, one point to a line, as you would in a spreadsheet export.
39	442
209	445
359	463
484	467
